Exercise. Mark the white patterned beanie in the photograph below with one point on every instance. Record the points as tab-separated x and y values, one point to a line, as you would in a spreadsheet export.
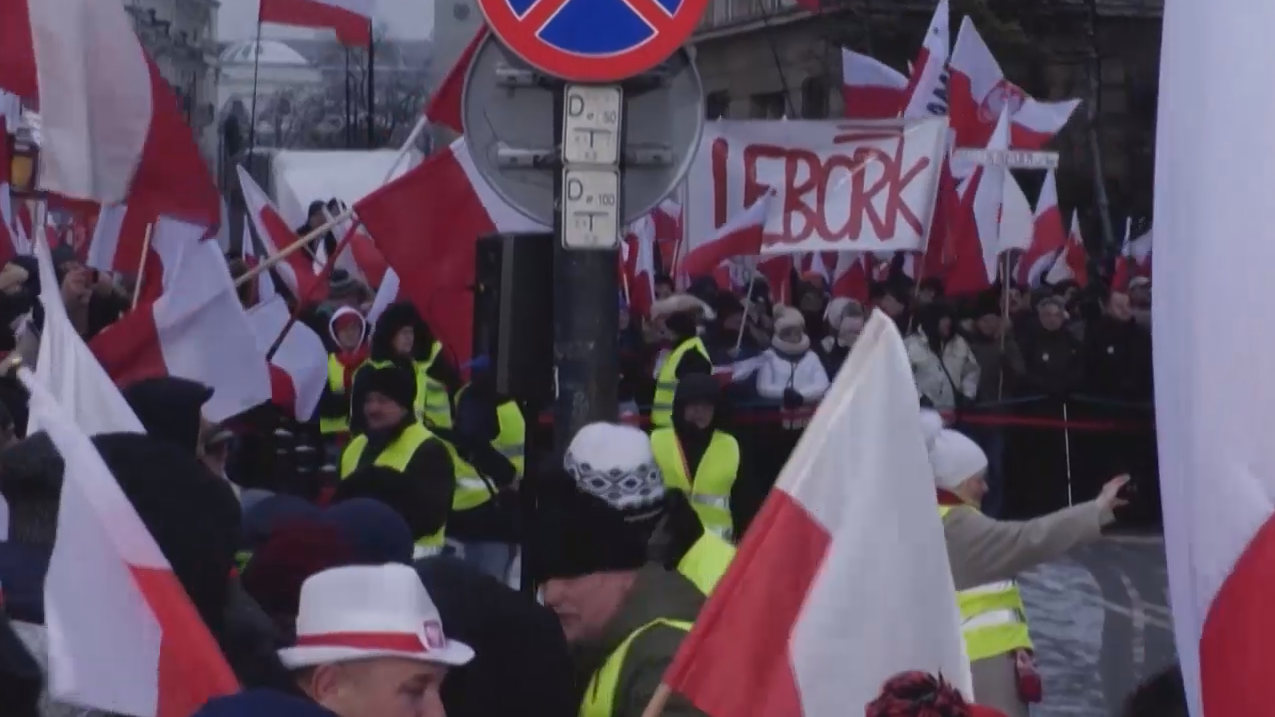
614	462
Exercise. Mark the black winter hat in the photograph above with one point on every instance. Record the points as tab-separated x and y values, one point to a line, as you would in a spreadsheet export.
580	534
169	408
31	483
396	382
192	514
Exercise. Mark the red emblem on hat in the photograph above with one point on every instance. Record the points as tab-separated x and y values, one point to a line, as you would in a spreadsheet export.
434	638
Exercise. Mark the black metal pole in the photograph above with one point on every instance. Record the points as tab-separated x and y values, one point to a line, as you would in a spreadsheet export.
252	113
349	90
586	316
371	90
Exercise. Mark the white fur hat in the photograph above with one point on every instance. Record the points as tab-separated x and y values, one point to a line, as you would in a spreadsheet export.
678	303
955	458
787	317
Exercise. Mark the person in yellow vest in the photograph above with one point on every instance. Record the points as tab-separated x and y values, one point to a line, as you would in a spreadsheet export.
395	442
624	616
490	434
614	463
986	556
679	321
401	334
347	329
696	458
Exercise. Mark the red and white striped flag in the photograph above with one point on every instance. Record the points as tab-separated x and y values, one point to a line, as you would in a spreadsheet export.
1073	263
113	129
741	235
927	87
978	91
1048	237
843	579
297	271
351	20
871	89
123	634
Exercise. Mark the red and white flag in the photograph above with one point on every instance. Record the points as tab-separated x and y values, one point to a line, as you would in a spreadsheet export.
123	635
988	187
1048	237
843	579
927	88
850	276
978	91
637	259
444	106
871	89
741	235
265	285
1073	263
196	329
1214	349
299	368
112	127
1015	232
297	271
351	20
1134	260
426	223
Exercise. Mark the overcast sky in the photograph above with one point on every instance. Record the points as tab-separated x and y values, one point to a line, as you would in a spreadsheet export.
408	19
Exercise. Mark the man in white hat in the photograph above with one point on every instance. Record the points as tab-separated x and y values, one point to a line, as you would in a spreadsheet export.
370	643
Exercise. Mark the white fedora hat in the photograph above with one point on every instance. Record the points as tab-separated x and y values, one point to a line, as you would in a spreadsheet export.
364	612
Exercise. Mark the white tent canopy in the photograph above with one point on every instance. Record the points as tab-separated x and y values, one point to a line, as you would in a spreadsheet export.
300	177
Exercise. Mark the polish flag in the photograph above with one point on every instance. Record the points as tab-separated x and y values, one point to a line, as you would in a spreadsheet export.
638	265
124	636
196	329
351	20
265	285
1214	349
670	230
426	223
1073	263
844	571
444	106
987	185
871	89
1017	217
927	88
741	235
299	367
978	92
1048	237
362	259
850	276
1134	260
297	271
955	252
120	135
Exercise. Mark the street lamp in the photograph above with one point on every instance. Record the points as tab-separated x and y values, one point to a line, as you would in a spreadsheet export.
24	163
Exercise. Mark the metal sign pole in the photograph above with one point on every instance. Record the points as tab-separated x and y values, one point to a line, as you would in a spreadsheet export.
586	288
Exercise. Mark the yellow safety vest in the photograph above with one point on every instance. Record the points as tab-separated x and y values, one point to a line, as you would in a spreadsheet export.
511	436
329	425
714	476
993	617
666	382
599	697
396	456
433	405
706	562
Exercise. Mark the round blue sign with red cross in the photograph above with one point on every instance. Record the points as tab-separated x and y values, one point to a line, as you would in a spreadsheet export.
593	40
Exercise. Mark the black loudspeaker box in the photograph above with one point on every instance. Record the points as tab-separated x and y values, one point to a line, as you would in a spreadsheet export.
513	313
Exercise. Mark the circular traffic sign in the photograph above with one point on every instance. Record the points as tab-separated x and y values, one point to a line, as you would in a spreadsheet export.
593	40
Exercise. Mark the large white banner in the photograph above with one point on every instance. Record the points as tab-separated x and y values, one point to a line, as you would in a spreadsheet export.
841	185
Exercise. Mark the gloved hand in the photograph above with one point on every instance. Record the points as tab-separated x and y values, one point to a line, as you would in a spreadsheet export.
793	399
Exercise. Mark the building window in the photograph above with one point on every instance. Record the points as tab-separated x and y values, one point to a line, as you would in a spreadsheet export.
769	105
814	98
717	105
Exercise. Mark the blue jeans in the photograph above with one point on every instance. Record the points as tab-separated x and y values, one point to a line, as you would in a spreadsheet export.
491	558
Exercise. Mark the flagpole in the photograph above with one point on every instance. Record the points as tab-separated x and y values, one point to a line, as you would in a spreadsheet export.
302	300
294	247
141	266
371	86
252	113
349	89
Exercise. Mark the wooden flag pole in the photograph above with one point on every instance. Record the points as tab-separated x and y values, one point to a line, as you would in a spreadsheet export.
659	700
141	265
293	248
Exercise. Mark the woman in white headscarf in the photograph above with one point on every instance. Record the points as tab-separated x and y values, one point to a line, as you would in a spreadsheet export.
789	370
986	556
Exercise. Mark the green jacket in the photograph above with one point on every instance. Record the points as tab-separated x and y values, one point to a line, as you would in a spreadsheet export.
657	593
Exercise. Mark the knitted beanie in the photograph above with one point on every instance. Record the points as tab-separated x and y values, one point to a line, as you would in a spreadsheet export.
614	462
